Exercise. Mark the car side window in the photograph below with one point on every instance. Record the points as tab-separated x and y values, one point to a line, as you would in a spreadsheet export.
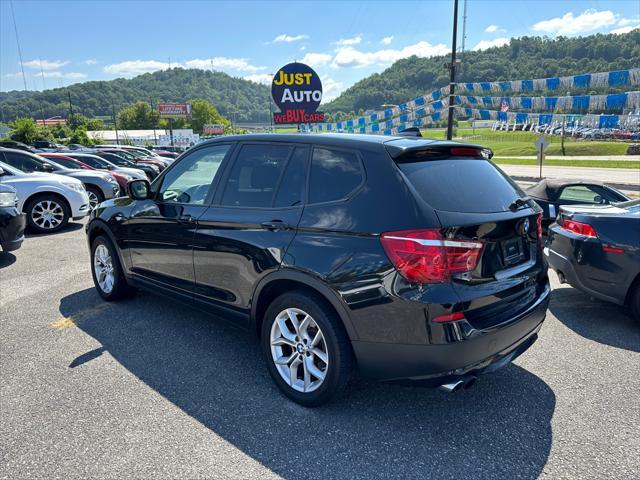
335	174
190	180
294	181
581	193
255	175
23	162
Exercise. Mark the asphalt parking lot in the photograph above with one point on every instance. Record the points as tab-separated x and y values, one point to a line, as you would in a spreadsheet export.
148	388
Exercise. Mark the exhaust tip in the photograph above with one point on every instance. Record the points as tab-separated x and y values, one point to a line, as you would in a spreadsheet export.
452	387
462	383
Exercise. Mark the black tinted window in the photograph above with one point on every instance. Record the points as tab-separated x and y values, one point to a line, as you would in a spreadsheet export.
334	175
294	181
460	185
255	175
23	162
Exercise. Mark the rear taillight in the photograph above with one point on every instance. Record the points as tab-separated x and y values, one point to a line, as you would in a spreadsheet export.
465	151
425	256
578	228
451	317
539	228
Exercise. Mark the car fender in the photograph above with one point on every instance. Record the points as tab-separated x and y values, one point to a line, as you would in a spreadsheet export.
27	190
312	282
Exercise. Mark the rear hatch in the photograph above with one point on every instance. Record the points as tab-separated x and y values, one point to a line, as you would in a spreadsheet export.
478	204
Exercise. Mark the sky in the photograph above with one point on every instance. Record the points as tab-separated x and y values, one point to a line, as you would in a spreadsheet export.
66	42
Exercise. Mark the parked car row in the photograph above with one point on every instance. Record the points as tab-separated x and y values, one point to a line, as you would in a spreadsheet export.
32	187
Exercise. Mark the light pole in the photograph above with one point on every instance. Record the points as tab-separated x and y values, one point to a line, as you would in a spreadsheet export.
452	72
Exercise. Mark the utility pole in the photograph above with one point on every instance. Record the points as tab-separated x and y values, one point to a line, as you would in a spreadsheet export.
452	72
115	121
155	139
71	118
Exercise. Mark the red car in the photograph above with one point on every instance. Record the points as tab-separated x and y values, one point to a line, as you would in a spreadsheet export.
69	162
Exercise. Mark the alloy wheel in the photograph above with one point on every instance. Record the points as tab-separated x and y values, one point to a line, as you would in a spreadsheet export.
93	199
103	268
299	350
47	214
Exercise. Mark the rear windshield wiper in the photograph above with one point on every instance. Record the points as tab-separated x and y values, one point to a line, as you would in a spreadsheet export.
519	203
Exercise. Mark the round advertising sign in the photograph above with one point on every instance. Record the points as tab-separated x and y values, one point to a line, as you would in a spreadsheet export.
297	86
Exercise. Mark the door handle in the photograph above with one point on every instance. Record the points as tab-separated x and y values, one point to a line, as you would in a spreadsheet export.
186	219
274	225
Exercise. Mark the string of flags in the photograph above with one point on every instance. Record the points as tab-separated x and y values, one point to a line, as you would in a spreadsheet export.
430	107
629	100
586	80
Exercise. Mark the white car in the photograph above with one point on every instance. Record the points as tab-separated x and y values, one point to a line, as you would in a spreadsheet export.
49	200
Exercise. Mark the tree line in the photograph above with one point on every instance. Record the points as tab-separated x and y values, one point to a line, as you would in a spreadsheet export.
235	98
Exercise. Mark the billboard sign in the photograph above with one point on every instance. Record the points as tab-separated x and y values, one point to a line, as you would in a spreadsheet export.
174	110
297	90
213	129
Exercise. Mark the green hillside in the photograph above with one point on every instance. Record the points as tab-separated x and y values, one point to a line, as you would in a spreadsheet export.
233	97
523	58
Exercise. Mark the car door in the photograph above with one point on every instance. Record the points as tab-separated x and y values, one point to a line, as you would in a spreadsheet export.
160	230
244	235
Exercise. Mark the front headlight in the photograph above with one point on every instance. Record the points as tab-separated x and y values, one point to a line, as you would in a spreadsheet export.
111	180
8	199
78	187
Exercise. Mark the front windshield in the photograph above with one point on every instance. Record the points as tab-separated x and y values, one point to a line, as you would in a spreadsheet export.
55	165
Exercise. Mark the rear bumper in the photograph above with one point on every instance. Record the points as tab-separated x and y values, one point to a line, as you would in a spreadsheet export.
565	265
12	225
472	352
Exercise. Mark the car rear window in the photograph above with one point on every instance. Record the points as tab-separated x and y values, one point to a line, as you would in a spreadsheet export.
462	185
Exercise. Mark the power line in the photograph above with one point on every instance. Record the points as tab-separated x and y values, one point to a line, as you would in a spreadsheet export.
15	28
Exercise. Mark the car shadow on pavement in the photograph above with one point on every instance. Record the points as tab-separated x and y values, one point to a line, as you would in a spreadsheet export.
6	259
69	227
500	428
595	319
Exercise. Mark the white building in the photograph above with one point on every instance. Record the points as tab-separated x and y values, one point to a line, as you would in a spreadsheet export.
183	137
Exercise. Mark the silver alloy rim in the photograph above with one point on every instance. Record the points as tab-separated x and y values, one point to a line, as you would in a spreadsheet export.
93	199
299	350
47	214
103	267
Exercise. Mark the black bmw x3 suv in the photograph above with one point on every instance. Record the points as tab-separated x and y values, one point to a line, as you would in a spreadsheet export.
408	258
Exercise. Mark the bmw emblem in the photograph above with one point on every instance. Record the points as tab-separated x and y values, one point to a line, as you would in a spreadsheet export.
524	227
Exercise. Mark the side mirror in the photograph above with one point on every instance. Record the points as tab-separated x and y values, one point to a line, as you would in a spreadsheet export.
48	168
139	189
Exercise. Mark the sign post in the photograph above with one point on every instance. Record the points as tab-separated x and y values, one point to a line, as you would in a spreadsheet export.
541	145
297	90
174	110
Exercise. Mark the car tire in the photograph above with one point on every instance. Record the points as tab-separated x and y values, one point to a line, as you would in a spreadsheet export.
95	196
47	213
634	302
106	271
310	363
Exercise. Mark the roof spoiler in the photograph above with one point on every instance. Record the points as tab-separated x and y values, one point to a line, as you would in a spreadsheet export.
410	132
